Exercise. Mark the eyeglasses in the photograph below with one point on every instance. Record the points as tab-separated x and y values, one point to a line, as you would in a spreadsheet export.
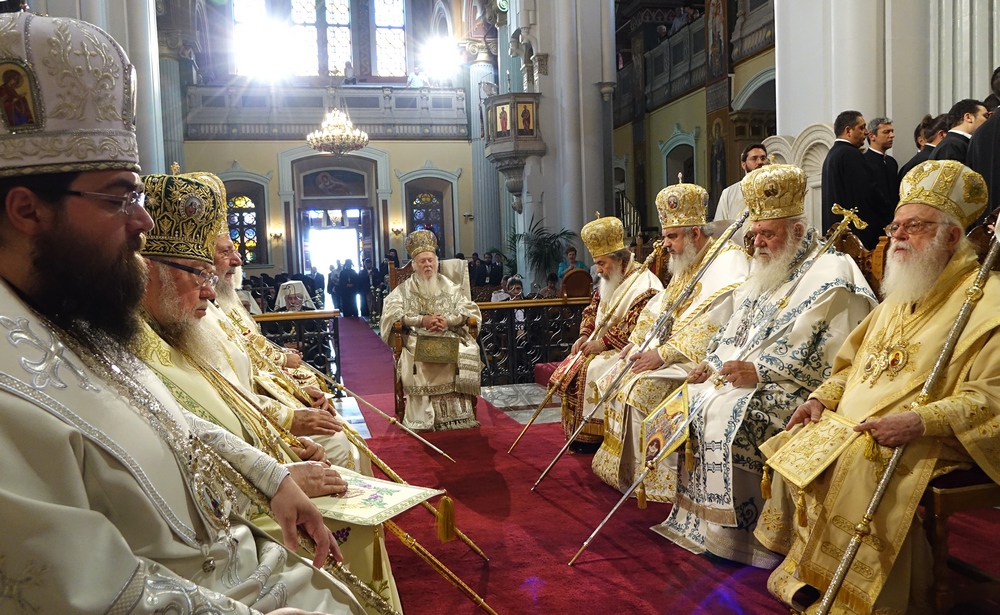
128	201
912	227
204	278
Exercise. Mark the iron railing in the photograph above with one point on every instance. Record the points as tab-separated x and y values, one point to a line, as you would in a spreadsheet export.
315	334
517	335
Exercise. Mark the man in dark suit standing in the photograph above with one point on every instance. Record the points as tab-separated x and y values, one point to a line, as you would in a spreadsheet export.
495	266
884	168
965	117
848	181
983	157
933	129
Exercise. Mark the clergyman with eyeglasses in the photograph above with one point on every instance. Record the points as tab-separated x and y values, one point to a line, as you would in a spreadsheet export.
873	396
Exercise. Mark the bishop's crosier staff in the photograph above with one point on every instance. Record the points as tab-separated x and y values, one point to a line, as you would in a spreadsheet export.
798	273
660	329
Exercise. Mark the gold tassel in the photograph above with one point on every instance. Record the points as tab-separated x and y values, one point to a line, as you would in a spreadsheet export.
446	520
871	448
640	496
765	484
688	455
377	576
800	509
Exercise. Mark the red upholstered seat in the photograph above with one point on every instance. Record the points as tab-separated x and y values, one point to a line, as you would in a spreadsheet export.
544	371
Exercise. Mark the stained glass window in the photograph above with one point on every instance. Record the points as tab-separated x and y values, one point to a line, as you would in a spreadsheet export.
428	213
390	38
244	229
338	33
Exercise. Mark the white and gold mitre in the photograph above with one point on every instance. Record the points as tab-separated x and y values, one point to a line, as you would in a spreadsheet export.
421	241
945	185
682	205
774	191
69	98
603	236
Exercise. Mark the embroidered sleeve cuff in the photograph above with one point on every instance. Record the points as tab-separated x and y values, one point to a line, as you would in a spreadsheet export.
413	321
829	393
936	415
613	342
670	355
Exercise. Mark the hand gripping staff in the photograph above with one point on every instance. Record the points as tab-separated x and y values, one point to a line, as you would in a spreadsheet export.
657	249
446	527
392	420
927	393
850	217
661	327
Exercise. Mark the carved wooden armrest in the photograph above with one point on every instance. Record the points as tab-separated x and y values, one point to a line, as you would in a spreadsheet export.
473	325
397	338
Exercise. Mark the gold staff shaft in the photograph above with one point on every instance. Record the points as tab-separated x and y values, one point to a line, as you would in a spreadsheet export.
663	325
849	218
355	438
332	566
657	248
428	557
649	467
862	529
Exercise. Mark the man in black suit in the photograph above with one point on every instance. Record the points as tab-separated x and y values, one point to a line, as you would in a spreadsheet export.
965	117
495	265
933	130
848	181
983	157
884	168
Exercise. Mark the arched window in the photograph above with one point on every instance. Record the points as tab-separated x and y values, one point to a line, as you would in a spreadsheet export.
427	213
246	229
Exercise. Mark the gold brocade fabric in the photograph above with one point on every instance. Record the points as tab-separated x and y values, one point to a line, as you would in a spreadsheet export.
696	322
963	424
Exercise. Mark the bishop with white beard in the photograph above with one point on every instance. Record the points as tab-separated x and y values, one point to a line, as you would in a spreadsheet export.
624	288
873	395
439	396
661	368
795	310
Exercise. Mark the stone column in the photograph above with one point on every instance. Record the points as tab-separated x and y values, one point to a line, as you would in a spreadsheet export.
173	109
485	184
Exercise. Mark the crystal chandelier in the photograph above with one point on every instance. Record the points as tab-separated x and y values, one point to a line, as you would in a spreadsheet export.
337	135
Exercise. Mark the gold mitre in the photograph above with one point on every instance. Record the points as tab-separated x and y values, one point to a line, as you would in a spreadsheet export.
421	241
189	214
774	191
946	185
682	205
603	236
69	98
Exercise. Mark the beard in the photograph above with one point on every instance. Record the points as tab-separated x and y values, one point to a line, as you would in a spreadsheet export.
682	262
427	287
76	284
183	330
609	282
767	275
908	281
225	291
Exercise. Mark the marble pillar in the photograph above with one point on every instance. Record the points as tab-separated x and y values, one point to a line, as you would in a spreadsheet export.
488	233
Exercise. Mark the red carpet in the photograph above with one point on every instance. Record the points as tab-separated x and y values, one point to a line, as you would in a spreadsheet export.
530	536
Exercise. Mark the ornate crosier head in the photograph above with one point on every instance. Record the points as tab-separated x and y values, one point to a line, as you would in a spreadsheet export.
69	101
